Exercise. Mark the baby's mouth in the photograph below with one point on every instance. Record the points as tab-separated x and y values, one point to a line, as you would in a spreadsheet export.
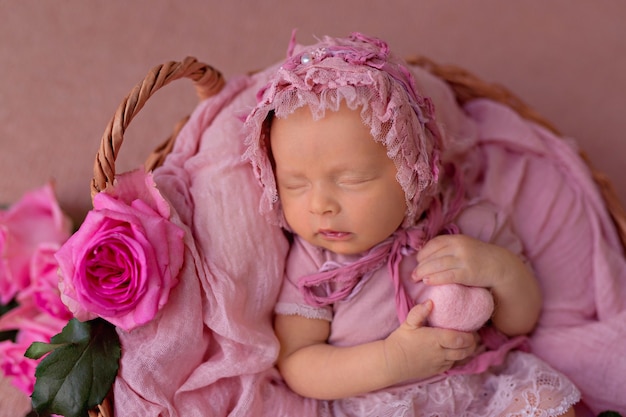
334	234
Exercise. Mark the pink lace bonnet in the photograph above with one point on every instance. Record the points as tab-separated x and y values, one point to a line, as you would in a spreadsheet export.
363	73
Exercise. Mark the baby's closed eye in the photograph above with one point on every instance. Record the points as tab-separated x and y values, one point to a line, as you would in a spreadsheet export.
355	180
293	186
292	183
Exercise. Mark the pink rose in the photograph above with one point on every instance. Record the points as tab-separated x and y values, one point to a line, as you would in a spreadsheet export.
32	326
16	367
125	258
34	220
44	287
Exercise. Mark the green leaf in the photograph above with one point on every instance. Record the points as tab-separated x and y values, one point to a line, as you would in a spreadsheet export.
609	414
79	370
37	349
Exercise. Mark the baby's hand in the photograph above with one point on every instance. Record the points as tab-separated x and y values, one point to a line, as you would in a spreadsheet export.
416	352
463	260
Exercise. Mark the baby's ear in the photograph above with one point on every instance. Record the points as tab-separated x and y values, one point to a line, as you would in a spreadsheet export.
458	307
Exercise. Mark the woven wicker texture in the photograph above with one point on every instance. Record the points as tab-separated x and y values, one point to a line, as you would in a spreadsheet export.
209	81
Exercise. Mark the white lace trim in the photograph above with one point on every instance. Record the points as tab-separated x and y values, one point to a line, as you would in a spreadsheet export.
524	386
309	312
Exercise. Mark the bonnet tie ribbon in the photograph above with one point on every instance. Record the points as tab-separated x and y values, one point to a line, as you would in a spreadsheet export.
328	286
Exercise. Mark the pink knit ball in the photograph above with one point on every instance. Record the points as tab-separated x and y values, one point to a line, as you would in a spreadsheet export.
459	307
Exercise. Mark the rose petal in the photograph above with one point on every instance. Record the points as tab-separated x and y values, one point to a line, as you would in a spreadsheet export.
36	219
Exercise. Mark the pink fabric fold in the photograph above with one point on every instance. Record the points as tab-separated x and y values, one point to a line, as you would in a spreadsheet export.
555	207
211	350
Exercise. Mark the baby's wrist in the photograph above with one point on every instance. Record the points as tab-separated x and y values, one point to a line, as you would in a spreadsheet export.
395	359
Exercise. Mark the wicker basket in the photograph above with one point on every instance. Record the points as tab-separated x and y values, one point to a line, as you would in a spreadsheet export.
209	81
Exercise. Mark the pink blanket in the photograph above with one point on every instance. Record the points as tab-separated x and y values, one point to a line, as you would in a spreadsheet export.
211	349
572	244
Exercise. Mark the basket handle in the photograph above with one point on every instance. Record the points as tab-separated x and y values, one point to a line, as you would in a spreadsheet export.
207	81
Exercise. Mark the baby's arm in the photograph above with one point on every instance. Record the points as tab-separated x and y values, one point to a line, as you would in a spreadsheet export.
313	368
465	260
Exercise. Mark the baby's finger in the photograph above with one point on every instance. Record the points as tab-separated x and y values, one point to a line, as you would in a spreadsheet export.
455	340
456	355
418	314
434	247
436	271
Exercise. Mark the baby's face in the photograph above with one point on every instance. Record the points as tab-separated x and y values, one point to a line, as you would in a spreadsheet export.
337	186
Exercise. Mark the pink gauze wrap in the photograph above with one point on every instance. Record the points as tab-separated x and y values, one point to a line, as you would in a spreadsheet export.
211	350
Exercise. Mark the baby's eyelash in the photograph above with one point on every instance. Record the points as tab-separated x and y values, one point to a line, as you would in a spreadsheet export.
292	185
355	180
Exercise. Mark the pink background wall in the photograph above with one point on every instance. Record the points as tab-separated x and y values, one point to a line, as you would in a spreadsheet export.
65	66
